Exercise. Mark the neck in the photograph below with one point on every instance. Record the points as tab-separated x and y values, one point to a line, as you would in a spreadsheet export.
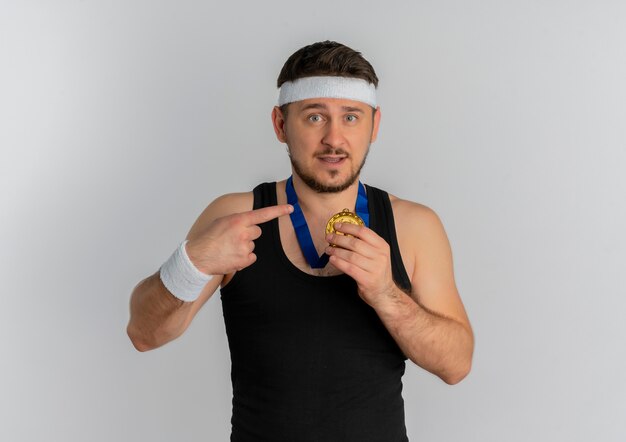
324	205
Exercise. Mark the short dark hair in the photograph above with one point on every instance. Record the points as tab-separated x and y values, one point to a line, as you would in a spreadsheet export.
326	58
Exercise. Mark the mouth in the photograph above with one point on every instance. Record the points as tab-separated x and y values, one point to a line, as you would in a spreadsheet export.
332	159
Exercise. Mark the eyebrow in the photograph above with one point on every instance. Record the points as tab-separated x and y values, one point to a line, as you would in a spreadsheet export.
323	106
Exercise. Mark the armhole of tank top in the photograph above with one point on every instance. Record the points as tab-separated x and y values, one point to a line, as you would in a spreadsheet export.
386	223
260	199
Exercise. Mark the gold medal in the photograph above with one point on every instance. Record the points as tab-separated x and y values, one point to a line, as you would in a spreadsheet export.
345	216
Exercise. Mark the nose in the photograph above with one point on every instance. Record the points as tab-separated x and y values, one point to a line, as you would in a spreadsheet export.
333	134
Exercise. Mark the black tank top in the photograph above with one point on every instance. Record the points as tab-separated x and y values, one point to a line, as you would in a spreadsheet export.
311	361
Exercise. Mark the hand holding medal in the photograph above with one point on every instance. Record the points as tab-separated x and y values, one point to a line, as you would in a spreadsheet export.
362	254
345	216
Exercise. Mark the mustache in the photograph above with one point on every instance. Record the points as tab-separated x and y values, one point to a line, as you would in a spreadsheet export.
333	151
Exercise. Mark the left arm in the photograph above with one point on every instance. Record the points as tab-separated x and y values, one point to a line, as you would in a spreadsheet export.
441	345
430	325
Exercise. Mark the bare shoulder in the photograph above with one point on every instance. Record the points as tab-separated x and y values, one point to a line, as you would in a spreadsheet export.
420	230
414	219
409	208
221	206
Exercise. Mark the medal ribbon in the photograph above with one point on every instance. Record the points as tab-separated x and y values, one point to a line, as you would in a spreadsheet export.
302	229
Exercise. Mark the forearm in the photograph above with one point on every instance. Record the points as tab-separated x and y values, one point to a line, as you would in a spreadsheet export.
440	345
156	317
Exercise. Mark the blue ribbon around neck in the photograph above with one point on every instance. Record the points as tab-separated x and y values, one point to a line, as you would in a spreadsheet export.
302	229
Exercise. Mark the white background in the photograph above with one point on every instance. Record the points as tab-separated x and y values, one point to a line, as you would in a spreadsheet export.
121	120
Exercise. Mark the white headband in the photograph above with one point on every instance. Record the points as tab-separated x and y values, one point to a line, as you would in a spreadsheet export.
327	87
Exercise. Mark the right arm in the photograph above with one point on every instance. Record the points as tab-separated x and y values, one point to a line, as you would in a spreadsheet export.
220	243
158	317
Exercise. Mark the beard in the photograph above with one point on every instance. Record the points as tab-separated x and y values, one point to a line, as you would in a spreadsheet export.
319	187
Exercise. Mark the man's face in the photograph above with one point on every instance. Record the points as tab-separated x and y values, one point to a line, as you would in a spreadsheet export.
328	140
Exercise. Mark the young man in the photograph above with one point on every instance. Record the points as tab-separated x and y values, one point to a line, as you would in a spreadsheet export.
327	285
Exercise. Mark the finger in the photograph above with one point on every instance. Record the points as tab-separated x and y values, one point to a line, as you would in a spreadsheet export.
254	231
265	214
352	243
354	258
251	259
352	270
361	232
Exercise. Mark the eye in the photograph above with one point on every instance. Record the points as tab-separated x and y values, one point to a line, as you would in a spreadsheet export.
315	118
351	118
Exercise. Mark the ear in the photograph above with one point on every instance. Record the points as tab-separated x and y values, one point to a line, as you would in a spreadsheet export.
279	124
375	125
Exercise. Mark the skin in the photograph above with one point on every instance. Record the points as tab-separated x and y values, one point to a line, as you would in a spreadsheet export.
328	141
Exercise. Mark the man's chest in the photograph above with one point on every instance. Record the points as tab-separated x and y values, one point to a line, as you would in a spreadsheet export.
292	249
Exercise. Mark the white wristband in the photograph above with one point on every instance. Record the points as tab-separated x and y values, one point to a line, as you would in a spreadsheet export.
181	277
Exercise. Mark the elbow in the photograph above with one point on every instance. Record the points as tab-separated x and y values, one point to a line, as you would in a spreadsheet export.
456	376
463	366
144	341
141	346
140	343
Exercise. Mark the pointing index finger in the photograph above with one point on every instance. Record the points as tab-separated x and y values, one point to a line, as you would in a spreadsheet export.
264	214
